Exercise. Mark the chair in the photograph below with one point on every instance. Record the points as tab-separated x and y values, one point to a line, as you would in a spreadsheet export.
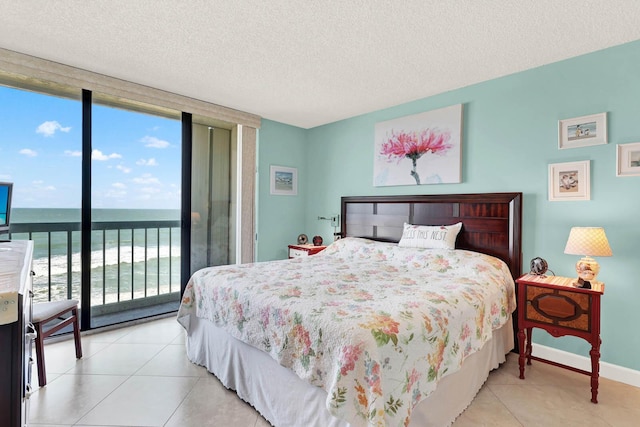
63	312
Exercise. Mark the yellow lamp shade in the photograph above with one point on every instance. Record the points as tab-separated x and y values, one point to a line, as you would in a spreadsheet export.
587	241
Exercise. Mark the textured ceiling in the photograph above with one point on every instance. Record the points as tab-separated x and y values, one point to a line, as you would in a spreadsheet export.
307	63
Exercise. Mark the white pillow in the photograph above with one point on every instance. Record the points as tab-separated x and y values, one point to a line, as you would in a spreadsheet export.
430	236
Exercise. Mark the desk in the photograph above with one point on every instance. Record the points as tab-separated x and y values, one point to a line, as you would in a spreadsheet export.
552	303
16	332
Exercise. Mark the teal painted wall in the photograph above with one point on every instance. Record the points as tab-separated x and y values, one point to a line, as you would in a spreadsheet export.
510	136
280	218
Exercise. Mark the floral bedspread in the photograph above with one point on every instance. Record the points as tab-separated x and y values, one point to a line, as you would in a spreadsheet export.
375	325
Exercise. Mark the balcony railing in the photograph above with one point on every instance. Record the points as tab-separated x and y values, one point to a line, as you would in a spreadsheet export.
133	263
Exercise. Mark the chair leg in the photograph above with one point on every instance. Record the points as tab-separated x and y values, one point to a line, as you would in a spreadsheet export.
42	371
76	333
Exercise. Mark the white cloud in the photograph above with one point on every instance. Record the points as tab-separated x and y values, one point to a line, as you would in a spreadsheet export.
39	184
149	190
146	179
98	155
123	169
49	128
73	153
150	162
153	142
115	193
28	152
4	176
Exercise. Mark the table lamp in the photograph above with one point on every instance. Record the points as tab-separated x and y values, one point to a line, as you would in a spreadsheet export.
587	241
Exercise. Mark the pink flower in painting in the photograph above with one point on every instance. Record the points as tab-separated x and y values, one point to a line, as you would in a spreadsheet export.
414	144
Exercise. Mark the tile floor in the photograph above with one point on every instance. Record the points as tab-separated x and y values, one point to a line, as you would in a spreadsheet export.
140	376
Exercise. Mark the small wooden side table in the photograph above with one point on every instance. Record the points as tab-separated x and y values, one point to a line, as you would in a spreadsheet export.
297	251
552	303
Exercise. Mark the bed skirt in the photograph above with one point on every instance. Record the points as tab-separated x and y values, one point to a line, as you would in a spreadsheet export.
285	400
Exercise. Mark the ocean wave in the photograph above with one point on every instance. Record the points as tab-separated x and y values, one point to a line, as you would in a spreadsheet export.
59	263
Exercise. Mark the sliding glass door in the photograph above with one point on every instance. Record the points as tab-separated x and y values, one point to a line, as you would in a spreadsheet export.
135	210
109	191
212	214
40	153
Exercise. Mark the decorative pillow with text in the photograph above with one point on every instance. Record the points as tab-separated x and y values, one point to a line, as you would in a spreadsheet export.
430	236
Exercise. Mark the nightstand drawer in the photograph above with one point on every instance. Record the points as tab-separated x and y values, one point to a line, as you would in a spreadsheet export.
560	308
301	251
297	253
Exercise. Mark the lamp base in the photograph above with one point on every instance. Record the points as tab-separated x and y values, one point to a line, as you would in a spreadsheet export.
587	269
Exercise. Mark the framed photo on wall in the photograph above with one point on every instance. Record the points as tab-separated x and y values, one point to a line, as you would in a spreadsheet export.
628	159
284	181
569	181
582	131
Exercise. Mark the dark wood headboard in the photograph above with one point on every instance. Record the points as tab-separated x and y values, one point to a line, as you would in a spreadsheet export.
492	222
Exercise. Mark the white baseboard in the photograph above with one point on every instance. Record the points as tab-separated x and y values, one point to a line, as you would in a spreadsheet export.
607	370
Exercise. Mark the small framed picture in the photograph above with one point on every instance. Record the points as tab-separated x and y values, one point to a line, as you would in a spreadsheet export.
569	181
582	131
628	159
284	181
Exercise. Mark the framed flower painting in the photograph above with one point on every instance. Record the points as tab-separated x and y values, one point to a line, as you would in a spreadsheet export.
423	148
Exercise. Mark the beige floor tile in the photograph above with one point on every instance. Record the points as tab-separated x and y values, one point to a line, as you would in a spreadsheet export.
53	425
618	403
66	399
118	359
261	422
549	405
35	385
106	336
172	361
538	373
486	410
181	339
141	401
166	389
161	332
211	404
60	357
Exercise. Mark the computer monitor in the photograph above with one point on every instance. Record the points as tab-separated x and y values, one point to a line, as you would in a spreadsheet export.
5	206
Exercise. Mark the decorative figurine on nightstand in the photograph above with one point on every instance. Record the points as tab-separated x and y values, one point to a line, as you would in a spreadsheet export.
539	266
302	239
317	240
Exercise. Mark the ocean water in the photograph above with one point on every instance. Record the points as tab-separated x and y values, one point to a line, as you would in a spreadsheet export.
158	251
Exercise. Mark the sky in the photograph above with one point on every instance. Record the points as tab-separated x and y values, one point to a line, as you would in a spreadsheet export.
136	158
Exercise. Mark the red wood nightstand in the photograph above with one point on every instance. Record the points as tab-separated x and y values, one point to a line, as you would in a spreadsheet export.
297	251
552	303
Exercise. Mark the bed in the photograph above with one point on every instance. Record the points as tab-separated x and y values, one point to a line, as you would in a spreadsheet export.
368	332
